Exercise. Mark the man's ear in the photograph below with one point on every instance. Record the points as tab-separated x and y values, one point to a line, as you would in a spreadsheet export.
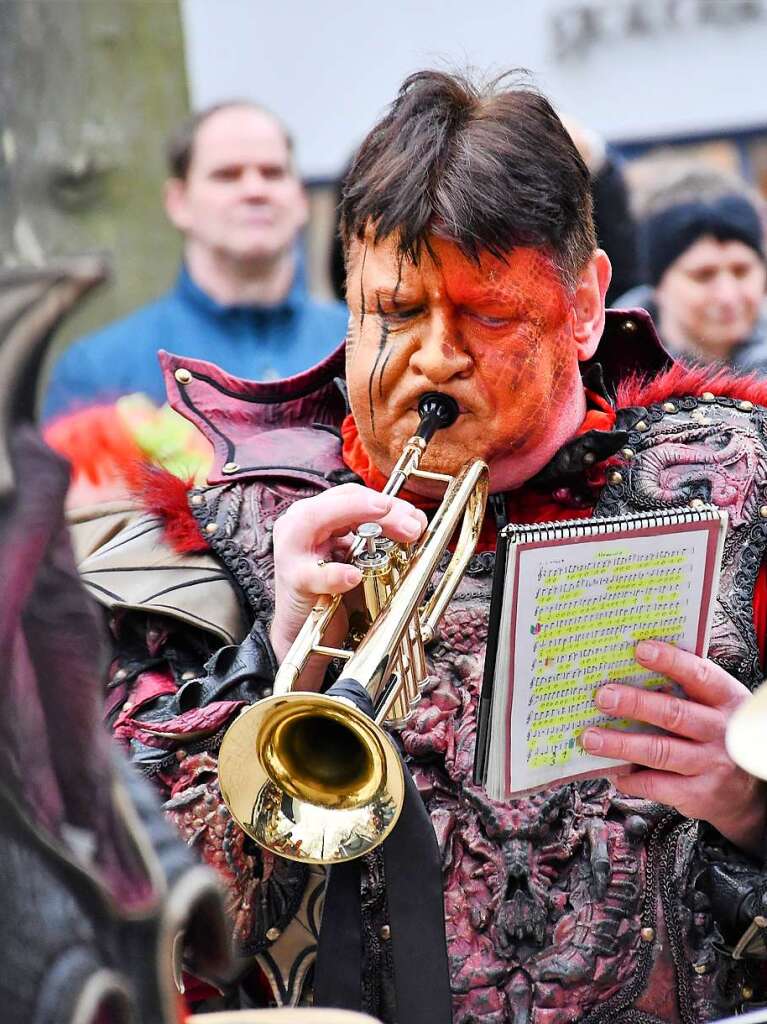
175	203
589	304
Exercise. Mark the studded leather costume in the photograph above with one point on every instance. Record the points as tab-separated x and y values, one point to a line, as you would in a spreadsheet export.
576	903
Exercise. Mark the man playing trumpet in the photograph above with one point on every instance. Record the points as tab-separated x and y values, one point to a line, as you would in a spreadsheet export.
472	271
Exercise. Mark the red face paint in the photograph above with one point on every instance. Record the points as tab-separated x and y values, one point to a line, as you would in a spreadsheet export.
496	336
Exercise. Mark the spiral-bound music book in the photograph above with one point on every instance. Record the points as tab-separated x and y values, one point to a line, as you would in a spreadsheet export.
570	602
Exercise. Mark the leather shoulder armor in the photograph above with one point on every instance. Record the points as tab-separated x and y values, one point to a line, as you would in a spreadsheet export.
707	449
125	562
283	429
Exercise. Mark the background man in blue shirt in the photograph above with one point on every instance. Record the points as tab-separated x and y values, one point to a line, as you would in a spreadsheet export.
240	299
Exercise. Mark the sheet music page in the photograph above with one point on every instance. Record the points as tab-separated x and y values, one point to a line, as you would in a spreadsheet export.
581	607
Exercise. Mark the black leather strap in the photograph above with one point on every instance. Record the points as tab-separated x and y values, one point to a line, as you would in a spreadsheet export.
411	944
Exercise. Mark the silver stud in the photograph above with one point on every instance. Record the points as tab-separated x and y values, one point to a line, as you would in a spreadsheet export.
188	675
120	675
211	527
196	500
648	934
628	453
629	326
746	992
669	407
615	476
746	406
697	503
230	467
763	514
183	376
700	968
385	932
641	426
708	396
273	934
589	459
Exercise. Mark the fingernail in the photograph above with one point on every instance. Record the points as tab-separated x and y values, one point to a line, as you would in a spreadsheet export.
352	576
647	652
591	740
607	697
412	526
382	503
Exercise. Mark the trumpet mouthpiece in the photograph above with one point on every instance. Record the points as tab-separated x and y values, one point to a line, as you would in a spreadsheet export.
437	411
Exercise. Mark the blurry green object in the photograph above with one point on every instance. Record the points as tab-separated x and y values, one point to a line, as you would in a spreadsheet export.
165	437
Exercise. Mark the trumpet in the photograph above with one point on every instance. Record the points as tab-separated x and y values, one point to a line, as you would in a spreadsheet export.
315	777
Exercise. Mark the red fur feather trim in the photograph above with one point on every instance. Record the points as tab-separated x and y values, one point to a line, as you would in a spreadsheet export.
680	380
103	452
167	496
97	444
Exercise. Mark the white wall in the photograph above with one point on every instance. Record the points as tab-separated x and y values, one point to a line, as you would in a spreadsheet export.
329	67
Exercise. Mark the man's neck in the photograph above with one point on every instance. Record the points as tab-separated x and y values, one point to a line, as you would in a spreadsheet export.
239	282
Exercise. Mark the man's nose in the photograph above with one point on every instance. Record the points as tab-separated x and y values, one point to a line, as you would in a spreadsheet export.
726	289
440	354
253	182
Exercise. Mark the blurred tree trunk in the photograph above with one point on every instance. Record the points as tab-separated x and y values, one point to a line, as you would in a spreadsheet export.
88	91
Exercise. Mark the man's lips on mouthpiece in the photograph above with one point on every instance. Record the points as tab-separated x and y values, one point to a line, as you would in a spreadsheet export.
462	409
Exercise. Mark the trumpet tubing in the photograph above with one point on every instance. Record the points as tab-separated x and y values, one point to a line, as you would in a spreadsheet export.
315	777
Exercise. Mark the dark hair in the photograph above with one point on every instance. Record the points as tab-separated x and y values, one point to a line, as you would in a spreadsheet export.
487	167
669	232
180	145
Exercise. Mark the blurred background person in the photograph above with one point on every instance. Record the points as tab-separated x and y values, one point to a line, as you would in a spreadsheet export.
614	222
703	255
240	299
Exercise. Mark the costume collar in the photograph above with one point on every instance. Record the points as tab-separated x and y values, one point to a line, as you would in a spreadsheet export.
191	292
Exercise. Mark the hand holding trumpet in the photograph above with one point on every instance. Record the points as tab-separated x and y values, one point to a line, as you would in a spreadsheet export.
311	542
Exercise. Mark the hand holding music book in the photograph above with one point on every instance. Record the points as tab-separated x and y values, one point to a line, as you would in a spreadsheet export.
571	600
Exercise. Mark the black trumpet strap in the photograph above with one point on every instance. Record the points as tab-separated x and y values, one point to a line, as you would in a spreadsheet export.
382	944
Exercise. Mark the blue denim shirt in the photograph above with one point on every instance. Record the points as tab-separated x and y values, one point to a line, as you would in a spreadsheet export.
255	342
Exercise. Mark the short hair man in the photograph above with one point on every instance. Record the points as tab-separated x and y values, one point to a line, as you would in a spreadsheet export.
240	298
473	271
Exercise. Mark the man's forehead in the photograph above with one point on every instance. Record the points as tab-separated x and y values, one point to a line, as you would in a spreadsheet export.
382	266
239	131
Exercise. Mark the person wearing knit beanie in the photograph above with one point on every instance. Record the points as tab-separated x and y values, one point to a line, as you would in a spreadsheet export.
704	258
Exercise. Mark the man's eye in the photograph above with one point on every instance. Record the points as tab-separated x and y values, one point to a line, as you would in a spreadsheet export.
741	271
400	316
493	321
703	276
226	174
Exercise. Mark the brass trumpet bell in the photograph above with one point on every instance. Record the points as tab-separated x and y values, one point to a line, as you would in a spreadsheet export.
746	736
315	777
311	778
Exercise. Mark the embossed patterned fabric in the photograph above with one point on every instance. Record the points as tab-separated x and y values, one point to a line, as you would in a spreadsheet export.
575	904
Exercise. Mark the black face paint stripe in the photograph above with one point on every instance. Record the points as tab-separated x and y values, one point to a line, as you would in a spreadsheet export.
381	346
362	288
400	261
399	276
383	368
